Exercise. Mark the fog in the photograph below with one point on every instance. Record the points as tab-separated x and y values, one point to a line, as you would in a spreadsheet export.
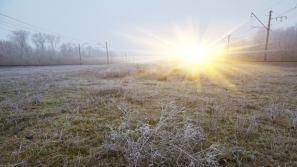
48	50
282	46
24	48
59	32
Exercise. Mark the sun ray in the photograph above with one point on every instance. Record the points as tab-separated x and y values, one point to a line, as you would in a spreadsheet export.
195	56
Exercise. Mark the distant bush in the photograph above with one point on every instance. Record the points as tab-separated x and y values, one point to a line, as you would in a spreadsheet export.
162	78
174	70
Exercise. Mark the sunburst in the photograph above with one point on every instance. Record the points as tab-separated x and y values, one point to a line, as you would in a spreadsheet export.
195	55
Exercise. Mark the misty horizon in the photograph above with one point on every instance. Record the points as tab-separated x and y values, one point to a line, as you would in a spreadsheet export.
144	28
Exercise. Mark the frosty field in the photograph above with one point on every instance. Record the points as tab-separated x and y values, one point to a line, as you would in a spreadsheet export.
229	114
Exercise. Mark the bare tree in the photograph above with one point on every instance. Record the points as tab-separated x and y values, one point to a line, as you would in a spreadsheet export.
291	42
66	51
7	50
53	41
282	44
20	38
39	40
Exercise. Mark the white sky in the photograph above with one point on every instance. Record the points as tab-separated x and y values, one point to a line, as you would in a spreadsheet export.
137	26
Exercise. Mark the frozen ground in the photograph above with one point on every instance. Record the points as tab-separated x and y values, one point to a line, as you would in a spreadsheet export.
233	114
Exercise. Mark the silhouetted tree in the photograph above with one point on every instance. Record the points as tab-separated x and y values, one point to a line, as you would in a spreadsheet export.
53	42
39	40
7	50
282	45
20	39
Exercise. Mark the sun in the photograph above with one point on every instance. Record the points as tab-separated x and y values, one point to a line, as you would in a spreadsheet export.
194	54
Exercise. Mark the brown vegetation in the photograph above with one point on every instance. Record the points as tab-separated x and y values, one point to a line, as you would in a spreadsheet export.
123	115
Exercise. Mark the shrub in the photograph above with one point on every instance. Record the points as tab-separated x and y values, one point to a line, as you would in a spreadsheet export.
175	70
170	142
162	78
274	112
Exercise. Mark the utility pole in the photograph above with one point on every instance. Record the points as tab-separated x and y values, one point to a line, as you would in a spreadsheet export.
107	53
126	58
79	47
267	36
79	54
110	56
268	29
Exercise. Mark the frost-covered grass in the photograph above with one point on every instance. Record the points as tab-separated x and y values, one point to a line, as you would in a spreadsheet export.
234	114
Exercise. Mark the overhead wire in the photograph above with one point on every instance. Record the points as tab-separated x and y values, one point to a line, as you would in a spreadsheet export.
253	19
292	16
285	13
35	26
272	6
289	10
246	31
52	33
273	12
13	26
276	13
20	21
280	15
5	29
8	26
69	38
18	25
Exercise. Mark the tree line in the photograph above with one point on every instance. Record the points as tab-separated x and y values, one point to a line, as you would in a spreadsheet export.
282	46
47	49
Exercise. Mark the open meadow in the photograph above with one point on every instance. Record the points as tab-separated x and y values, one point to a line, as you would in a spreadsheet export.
219	114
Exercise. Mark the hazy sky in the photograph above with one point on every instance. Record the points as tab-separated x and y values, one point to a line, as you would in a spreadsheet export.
137	26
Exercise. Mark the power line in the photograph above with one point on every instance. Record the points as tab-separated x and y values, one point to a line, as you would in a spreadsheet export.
279	16
26	23
19	21
65	37
17	25
5	29
7	26
245	31
13	26
284	13
273	6
264	22
292	16
276	13
289	10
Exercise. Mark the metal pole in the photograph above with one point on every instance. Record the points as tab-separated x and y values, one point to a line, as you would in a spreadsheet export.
267	37
107	53
110	55
79	54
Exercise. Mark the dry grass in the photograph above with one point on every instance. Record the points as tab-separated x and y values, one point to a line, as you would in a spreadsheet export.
236	114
